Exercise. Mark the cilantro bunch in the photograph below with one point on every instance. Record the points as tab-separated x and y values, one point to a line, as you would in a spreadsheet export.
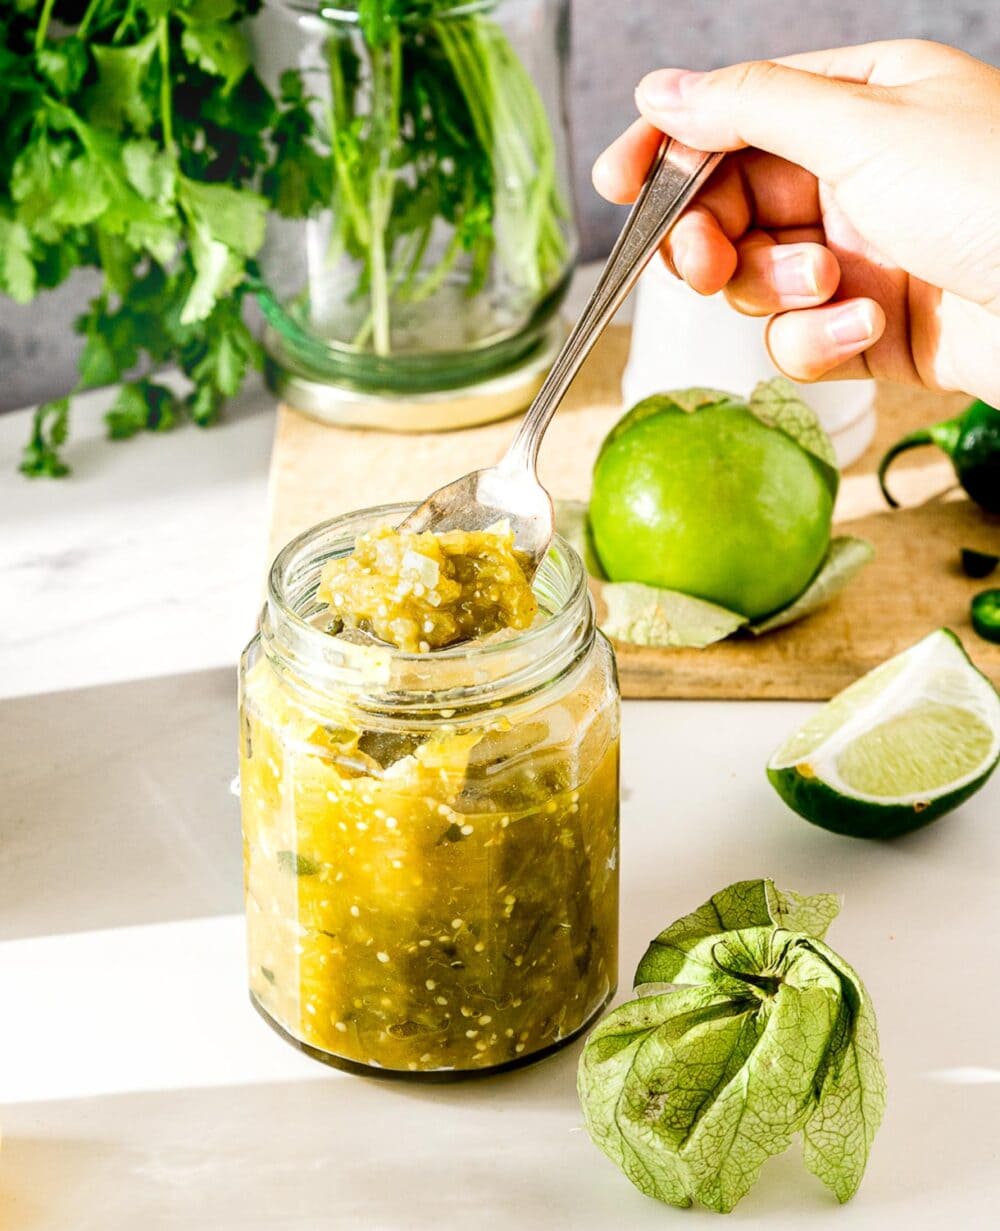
138	139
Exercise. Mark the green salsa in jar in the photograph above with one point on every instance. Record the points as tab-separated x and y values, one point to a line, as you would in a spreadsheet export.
430	838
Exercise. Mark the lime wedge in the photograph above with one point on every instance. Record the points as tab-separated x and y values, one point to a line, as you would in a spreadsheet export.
900	747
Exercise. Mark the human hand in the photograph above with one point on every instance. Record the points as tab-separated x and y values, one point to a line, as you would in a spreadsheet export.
862	213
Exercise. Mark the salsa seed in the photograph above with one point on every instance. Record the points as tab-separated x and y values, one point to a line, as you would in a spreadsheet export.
467	829
355	911
440	1000
471	1034
382	957
485	1019
341	1026
430	985
456	924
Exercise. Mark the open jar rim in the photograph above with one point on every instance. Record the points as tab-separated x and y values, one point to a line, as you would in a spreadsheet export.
446	683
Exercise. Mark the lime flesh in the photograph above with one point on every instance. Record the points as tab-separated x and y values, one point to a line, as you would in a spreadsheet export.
712	503
900	747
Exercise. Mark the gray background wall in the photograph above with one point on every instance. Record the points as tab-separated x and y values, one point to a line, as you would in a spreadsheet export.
614	42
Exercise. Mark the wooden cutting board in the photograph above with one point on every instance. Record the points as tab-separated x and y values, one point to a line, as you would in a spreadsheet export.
912	586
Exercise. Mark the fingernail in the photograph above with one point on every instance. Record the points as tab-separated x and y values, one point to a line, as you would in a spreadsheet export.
665	89
851	324
794	273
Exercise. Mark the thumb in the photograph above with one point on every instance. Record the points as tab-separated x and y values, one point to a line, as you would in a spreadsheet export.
824	125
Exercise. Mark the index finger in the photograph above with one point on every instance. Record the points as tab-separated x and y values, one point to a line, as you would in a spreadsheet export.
620	171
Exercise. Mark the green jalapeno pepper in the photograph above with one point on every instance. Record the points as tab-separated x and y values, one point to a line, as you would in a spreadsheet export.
972	442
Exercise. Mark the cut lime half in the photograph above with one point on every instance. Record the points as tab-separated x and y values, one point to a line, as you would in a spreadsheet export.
898	748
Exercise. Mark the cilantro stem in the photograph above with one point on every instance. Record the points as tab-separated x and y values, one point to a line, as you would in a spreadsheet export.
166	101
90	13
437	132
42	30
340	126
386	89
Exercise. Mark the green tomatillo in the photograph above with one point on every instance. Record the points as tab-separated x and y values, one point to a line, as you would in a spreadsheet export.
763	1033
727	500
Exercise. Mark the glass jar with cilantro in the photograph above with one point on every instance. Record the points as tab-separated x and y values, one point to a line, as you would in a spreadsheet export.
430	836
423	238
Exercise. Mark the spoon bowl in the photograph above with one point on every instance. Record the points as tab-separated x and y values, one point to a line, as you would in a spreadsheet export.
480	500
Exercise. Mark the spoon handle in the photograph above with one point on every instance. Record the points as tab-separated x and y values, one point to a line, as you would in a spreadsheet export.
673	180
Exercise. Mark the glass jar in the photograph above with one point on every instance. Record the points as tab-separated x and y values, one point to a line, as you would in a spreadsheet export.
430	841
428	241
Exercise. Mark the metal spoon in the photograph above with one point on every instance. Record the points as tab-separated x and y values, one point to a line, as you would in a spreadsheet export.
510	490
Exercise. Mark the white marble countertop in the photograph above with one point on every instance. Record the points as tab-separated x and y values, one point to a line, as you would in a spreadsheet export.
141	1091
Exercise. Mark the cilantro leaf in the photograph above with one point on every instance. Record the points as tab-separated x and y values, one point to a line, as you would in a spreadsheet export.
49	429
219	48
141	406
228	226
123	92
17	270
63	65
